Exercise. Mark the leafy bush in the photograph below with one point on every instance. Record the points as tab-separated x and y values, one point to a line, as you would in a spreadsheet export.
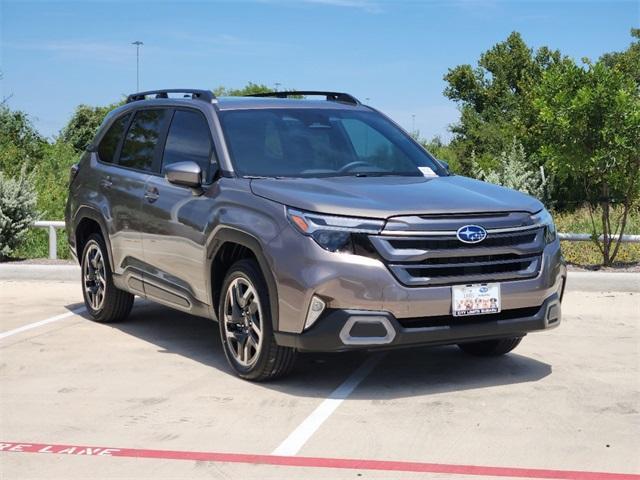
20	144
587	253
52	177
514	171
439	149
17	210
84	124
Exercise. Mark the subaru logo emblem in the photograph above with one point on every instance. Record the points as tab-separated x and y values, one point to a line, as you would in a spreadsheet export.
471	234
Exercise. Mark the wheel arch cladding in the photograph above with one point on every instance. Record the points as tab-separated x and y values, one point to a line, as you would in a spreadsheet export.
230	245
87	221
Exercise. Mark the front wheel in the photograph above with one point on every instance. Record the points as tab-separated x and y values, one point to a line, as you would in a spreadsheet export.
490	348
246	329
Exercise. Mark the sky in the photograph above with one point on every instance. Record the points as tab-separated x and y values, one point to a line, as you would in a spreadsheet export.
391	54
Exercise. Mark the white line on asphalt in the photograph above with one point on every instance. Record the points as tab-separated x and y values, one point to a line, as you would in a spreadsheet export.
29	326
296	440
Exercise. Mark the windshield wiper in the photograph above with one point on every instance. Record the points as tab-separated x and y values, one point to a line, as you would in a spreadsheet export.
261	177
383	174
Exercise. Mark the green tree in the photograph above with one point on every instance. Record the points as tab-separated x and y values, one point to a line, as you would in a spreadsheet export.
249	89
442	151
495	100
20	143
83	125
52	177
590	121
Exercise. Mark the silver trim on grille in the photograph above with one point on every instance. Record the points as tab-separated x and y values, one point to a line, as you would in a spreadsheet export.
430	233
433	257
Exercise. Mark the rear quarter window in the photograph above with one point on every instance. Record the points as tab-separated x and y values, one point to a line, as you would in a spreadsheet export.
109	143
141	144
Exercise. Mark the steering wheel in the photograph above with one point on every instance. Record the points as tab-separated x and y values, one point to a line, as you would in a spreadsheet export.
351	165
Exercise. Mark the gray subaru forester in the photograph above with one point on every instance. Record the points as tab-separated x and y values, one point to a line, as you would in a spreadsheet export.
304	225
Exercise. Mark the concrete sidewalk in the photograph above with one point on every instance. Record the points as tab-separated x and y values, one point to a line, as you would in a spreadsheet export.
27	271
578	281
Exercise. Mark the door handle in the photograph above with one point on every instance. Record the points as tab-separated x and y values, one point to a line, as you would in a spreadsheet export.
151	195
106	183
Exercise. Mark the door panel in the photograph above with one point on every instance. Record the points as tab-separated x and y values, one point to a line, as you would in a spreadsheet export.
173	236
176	217
123	189
138	158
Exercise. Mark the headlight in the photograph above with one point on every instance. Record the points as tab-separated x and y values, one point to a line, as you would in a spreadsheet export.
543	217
330	232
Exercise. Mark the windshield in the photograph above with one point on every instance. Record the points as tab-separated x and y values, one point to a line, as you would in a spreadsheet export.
321	142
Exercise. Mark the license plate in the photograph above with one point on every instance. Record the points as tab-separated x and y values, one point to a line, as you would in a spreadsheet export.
477	299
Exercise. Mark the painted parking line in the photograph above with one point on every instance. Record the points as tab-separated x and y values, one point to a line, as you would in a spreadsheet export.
314	462
296	440
40	323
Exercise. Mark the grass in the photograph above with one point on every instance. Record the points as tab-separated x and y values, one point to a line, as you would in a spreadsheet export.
584	254
36	244
587	254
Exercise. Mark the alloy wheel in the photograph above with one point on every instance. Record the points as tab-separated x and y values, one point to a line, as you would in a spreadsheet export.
94	276
243	321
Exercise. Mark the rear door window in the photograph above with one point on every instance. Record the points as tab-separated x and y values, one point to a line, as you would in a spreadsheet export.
189	139
111	140
140	150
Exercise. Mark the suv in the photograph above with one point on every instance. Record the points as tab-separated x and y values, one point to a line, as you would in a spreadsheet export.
304	225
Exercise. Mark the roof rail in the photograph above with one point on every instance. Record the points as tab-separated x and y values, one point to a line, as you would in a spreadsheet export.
330	96
205	95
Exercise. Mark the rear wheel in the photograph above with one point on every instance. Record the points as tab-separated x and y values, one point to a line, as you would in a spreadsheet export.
246	328
104	302
491	348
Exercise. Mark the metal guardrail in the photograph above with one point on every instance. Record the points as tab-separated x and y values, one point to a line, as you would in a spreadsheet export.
53	237
568	237
587	237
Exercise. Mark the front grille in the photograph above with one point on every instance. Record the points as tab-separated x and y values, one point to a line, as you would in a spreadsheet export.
441	259
454	243
471	268
450	320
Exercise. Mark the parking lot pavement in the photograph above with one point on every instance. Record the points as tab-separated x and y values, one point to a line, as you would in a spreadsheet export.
567	400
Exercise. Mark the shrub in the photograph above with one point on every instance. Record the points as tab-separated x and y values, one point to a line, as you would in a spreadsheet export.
20	143
514	172
17	210
83	125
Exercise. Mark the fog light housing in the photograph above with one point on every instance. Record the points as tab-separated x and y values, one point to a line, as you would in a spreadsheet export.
316	307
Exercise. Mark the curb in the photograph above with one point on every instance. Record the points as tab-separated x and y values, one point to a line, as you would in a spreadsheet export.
577	281
58	273
603	281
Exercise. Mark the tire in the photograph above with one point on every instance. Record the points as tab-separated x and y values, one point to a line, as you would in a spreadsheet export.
112	304
246	327
490	348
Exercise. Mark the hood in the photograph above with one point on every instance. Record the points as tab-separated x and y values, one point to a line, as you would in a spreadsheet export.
384	197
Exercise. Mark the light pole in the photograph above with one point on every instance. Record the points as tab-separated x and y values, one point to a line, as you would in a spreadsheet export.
277	86
138	44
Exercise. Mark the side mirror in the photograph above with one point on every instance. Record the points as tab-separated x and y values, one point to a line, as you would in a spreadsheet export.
187	174
90	147
444	165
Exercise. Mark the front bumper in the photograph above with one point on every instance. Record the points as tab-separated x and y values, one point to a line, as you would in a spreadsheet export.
341	330
344	281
